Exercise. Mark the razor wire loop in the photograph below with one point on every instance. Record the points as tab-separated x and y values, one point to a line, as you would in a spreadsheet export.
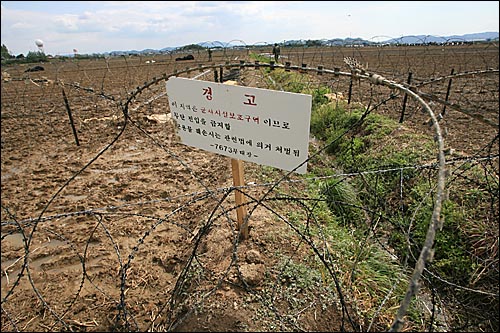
436	222
357	72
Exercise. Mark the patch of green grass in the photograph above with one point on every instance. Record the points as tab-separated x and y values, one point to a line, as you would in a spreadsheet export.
259	58
342	200
451	259
396	194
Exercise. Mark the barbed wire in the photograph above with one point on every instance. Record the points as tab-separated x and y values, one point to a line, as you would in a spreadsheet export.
141	283
203	194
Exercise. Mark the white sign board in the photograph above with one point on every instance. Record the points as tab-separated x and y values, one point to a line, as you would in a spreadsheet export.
267	127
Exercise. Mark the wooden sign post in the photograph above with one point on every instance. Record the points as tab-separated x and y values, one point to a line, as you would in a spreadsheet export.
241	211
257	125
239	180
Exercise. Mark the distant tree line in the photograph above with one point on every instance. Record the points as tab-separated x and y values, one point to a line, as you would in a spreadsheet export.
39	56
30	57
191	47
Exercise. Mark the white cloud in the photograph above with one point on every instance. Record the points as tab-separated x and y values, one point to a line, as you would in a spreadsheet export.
114	25
67	23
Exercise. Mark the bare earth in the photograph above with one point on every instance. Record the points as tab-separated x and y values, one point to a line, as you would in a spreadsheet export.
132	230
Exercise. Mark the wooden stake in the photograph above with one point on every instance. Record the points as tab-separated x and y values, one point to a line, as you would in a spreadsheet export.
405	99
68	109
241	211
238	180
448	92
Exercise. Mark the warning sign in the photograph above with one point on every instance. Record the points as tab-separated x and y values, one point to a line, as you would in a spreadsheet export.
263	126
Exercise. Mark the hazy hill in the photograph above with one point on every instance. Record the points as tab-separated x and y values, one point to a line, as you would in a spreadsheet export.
414	39
419	39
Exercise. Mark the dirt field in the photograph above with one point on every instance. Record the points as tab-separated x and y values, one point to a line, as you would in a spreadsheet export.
131	230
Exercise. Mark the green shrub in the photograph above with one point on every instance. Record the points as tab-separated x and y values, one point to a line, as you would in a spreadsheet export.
342	201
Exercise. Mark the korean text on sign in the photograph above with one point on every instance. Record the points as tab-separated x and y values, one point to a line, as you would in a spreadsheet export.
263	126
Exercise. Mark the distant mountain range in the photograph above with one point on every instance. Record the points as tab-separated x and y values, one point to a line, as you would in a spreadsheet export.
414	39
421	39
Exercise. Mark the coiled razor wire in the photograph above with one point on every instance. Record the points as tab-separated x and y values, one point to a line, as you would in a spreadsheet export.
357	73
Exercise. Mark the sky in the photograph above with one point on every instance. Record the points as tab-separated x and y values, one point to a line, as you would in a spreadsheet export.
103	26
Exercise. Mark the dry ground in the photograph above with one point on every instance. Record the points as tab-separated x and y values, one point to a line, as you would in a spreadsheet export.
131	197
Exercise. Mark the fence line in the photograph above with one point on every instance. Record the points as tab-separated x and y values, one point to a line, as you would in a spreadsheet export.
120	267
